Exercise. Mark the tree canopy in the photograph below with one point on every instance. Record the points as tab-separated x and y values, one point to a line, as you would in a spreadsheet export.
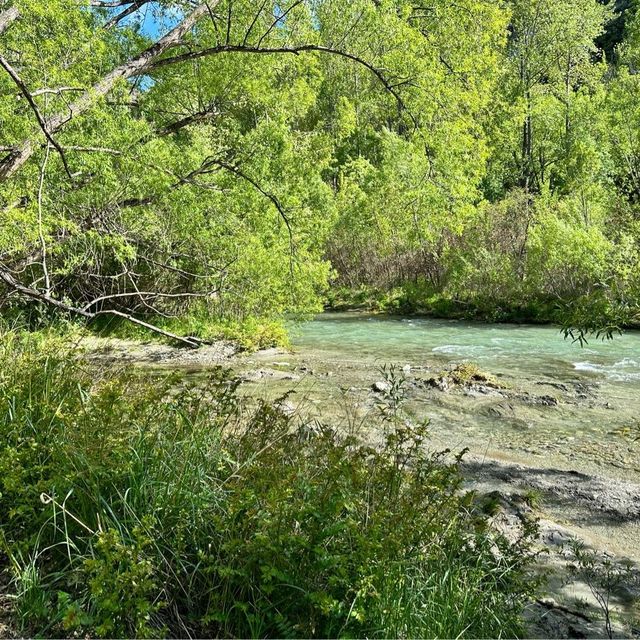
239	155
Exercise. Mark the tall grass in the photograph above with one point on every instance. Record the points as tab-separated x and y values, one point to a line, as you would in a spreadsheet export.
128	508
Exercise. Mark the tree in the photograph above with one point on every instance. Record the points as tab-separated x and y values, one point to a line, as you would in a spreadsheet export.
149	174
550	64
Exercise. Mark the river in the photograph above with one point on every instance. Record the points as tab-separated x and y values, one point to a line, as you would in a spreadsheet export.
562	402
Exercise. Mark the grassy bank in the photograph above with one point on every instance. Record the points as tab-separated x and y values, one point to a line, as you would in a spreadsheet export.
138	508
248	333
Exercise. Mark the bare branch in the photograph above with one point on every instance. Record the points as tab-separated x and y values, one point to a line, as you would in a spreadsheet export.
188	274
190	341
43	245
113	152
149	294
34	107
276	203
106	4
137	202
296	50
200	116
56	91
229	9
16	286
180	181
135	5
253	23
278	19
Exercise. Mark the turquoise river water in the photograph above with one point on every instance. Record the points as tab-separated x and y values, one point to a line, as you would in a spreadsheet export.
526	350
564	404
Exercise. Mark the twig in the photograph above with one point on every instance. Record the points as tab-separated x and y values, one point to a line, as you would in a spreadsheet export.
113	152
253	23
135	5
278	19
106	4
43	245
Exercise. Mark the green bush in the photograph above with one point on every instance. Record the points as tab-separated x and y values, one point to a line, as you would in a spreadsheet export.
142	508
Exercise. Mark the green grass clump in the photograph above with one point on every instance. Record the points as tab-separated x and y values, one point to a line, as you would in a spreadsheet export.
129	508
469	373
464	374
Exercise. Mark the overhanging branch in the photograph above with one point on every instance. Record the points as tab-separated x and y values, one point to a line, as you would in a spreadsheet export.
132	8
229	48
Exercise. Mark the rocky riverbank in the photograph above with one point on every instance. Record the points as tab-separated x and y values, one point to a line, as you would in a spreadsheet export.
583	484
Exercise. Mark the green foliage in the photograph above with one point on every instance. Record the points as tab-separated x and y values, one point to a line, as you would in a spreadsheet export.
474	158
145	510
121	586
547	228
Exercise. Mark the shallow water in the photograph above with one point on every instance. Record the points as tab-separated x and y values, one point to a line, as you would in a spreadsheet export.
527	350
564	405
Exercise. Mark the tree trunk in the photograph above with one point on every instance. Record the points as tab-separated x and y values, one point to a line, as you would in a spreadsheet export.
17	158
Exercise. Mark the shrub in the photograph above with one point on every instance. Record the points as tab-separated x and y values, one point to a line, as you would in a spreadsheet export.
147	508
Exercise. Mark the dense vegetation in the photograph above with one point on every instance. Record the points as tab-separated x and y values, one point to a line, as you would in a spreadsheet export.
129	511
203	169
235	159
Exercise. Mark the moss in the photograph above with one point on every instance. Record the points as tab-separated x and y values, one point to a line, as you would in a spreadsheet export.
465	374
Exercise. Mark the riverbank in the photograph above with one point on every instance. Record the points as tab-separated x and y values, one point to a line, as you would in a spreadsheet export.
552	426
136	502
420	301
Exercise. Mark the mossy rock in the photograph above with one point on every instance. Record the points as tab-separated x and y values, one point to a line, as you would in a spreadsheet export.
465	374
